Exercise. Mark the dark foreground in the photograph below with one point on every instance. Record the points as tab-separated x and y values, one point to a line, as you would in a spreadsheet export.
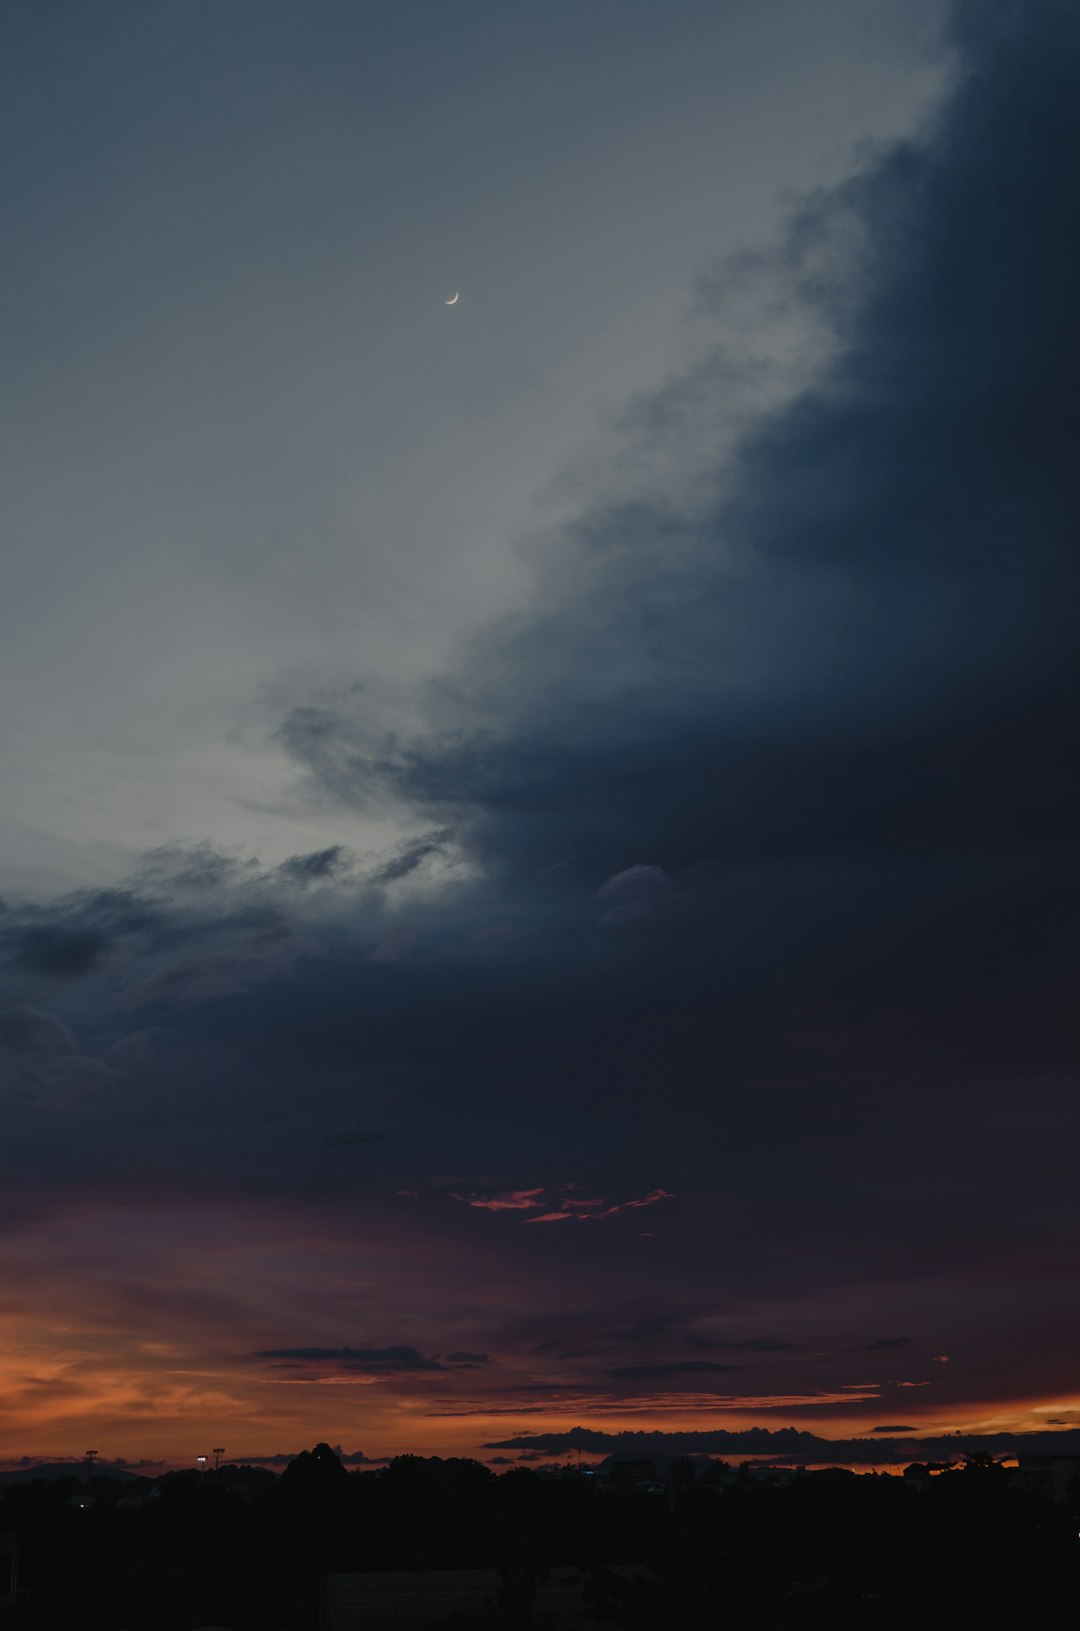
446	1543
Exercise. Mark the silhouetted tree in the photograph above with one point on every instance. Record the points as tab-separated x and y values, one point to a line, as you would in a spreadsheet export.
314	1473
982	1462
312	1492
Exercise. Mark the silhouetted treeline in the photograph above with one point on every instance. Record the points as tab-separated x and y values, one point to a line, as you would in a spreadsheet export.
248	1550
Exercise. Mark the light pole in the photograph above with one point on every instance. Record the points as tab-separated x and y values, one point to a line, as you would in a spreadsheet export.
218	1452
91	1457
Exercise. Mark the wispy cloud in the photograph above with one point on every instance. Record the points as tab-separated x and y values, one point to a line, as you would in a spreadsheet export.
398	1360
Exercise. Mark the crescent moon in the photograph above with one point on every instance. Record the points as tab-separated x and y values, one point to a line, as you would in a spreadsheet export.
453	299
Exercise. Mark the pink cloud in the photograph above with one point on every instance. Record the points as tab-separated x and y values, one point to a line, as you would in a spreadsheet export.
583	1211
510	1200
561	1209
650	1199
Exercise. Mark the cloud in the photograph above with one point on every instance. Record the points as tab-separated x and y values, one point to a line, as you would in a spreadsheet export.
466	1358
509	1200
666	1370
751	1345
636	883
895	1428
561	1205
587	1210
637	896
790	1445
884	1344
55	950
173	868
650	1199
393	1361
317	867
411	856
28	1033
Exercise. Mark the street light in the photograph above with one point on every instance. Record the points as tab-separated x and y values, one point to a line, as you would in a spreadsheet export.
218	1452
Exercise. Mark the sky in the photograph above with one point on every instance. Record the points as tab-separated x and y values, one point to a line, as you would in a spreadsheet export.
538	855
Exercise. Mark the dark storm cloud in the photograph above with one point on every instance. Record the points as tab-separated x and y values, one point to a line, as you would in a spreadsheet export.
396	1360
71	938
662	1371
411	856
28	1031
789	1444
751	1345
57	950
649	1327
191	867
165	911
317	867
